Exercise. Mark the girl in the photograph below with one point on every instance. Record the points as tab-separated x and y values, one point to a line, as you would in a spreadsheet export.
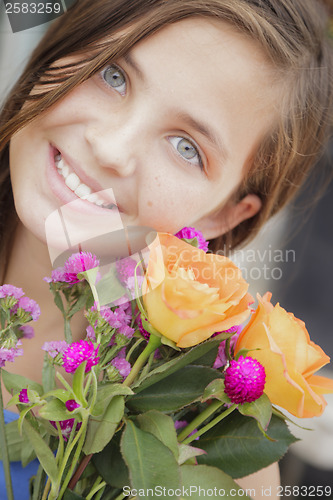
206	114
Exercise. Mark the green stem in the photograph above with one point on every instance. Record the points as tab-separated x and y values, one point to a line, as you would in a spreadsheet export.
210	424
81	435
153	343
96	487
4	449
47	489
199	419
68	331
132	349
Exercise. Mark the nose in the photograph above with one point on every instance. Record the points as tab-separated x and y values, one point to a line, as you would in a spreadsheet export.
115	146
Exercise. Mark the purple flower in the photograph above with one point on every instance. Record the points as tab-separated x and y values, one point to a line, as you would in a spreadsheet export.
244	380
9	355
188	233
27	331
121	365
66	426
30	306
126	269
91	335
77	263
221	358
57	276
78	352
11	291
23	396
55	347
71	405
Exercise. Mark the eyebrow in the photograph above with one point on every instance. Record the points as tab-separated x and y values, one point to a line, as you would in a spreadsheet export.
205	130
130	61
195	124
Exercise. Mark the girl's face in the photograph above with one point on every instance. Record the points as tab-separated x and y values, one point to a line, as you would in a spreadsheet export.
171	128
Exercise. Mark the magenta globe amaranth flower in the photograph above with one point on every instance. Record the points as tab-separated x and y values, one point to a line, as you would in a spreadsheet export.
77	263
71	405
77	353
188	233
244	380
23	396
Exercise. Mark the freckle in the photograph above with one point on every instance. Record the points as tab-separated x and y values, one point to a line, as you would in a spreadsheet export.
150	203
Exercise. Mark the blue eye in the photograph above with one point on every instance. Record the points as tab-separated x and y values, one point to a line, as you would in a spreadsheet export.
115	77
187	150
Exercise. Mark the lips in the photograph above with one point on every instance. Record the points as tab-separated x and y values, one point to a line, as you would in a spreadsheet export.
80	184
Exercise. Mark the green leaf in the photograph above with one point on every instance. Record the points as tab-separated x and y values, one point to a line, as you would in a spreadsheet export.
215	390
186	452
109	287
80	303
179	362
15	383
54	410
101	429
201	480
105	393
61	394
162	427
48	373
237	446
78	383
110	464
260	409
43	452
175	391
58	300
14	442
150	462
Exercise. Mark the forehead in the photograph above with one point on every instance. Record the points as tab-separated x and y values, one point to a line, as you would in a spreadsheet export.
216	72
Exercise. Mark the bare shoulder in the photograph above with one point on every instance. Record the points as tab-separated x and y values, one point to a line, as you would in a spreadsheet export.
262	484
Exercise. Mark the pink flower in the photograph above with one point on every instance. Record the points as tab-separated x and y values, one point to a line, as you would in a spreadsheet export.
77	263
126	268
78	352
9	355
143	332
30	306
91	335
71	405
23	396
57	276
27	331
188	233
121	365
11	291
66	426
244	380
55	347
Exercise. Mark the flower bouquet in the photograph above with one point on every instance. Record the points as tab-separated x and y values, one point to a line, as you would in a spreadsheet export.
168	394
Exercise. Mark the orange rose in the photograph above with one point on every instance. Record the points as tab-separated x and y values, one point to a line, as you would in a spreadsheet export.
189	295
289	357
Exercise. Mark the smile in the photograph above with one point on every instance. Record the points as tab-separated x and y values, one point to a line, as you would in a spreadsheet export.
74	183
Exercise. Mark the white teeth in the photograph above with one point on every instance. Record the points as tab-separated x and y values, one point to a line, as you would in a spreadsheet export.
72	181
82	190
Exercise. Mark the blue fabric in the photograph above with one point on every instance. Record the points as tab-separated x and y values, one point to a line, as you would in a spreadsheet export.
20	476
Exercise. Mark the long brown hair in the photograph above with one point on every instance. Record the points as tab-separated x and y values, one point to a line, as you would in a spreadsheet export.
290	32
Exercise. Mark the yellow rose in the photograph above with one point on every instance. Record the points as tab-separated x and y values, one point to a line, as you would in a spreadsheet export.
189	295
289	357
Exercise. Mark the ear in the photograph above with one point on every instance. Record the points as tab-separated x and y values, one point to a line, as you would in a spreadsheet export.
229	216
